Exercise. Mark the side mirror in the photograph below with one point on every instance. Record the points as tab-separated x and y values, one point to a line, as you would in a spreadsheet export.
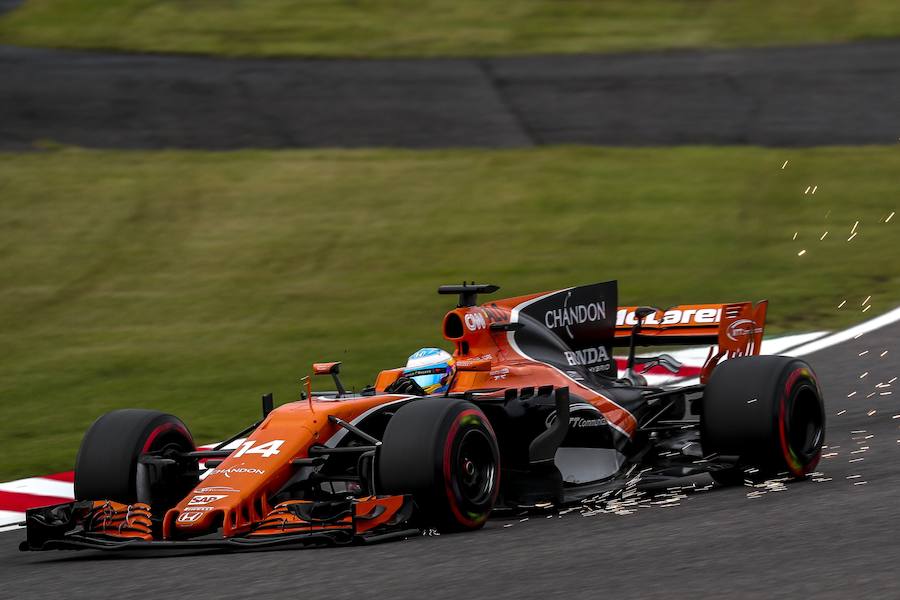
333	369
329	368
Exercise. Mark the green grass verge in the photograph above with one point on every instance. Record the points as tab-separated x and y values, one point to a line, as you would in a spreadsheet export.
194	282
375	28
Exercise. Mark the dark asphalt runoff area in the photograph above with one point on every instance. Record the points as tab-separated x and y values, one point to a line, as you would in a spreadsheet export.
838	538
8	5
797	96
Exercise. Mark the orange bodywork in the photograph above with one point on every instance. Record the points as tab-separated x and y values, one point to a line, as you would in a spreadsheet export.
123	521
740	334
234	495
693	320
737	328
487	356
469	328
325	368
360	516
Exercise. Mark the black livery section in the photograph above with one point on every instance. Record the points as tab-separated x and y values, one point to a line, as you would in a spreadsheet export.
572	329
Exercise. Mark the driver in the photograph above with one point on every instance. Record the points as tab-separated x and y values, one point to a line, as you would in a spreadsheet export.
428	371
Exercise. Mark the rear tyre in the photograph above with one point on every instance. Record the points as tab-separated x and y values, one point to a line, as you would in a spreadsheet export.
444	453
106	465
767	411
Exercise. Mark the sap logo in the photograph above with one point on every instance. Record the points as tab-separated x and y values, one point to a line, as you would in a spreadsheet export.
588	356
742	328
674	316
189	517
475	321
575	315
204	499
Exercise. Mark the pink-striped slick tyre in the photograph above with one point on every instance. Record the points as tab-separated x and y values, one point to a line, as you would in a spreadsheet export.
444	453
766	410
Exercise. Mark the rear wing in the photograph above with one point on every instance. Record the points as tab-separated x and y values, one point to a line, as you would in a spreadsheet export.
736	329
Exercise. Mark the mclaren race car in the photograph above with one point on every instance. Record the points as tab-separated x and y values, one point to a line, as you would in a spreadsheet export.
532	413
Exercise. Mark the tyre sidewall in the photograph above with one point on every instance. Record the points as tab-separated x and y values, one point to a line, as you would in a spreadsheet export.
418	457
470	421
747	408
797	379
106	463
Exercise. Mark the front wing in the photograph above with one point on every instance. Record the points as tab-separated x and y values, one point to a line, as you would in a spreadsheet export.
75	526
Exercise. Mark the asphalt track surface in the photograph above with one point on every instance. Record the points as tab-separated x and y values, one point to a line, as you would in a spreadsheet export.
800	96
8	5
827	539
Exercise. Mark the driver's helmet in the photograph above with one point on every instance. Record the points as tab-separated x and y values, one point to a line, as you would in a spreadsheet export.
431	368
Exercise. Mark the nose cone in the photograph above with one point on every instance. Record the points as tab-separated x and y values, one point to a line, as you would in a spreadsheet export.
234	495
205	508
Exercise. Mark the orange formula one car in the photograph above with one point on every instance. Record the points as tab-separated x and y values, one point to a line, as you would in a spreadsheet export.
527	412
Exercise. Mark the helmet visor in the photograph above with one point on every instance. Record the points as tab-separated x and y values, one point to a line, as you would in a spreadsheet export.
432	378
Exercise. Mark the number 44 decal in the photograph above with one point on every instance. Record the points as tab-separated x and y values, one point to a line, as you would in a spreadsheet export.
267	449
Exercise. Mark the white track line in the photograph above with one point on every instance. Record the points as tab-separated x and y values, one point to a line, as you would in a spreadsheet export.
848	334
696	356
40	486
9	520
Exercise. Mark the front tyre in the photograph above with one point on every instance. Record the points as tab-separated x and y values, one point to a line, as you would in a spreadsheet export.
106	465
767	411
443	452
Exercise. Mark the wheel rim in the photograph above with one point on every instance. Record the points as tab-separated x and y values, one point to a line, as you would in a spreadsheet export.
476	468
171	483
805	424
